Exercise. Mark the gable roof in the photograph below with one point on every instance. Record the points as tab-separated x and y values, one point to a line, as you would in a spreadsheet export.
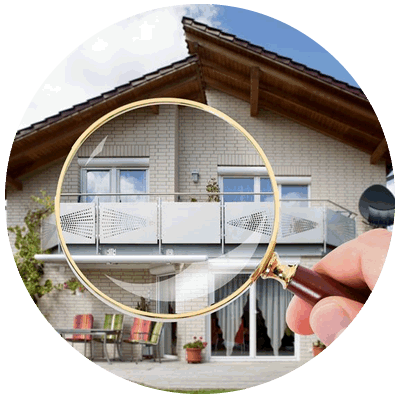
52	138
267	80
222	61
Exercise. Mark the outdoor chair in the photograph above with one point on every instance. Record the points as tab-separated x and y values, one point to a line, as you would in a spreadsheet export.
116	322
83	321
145	333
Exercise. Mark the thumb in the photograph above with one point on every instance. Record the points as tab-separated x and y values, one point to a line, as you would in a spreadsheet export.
330	316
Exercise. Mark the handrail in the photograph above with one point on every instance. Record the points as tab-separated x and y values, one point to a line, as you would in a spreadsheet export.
351	213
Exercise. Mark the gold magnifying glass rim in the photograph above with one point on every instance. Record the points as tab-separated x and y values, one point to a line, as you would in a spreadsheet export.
149	315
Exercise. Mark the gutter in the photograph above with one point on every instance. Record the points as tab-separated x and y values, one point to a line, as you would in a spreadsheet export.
121	259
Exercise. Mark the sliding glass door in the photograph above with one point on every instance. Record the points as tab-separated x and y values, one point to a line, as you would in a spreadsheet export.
274	338
253	325
169	336
230	327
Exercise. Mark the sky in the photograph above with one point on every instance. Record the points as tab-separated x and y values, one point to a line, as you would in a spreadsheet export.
350	29
143	43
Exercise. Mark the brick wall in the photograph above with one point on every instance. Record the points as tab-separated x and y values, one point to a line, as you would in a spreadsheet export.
178	140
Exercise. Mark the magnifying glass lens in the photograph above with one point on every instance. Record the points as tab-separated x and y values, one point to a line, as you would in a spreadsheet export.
166	209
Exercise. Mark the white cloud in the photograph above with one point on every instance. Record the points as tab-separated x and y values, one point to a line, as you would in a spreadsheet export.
116	55
48	88
100	45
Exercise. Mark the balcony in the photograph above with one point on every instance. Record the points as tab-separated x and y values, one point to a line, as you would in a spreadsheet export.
158	222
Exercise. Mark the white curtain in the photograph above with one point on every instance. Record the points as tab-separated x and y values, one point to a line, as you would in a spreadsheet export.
229	317
273	301
166	287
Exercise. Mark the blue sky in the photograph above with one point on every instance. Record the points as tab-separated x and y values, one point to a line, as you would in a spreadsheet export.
143	43
281	38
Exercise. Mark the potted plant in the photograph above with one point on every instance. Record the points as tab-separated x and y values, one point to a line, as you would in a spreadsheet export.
193	350
318	346
213	187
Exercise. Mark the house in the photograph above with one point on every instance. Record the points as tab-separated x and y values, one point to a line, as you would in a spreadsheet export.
321	136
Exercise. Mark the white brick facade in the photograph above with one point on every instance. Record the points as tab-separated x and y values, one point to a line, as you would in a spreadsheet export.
178	140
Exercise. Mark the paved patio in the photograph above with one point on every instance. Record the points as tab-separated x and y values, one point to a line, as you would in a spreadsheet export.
171	374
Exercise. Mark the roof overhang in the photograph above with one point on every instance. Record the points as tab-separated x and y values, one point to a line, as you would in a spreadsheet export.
268	81
221	61
52	139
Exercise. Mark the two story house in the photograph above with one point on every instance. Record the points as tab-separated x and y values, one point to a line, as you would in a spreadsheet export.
141	172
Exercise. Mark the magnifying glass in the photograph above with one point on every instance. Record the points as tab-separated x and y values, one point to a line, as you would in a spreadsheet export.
166	202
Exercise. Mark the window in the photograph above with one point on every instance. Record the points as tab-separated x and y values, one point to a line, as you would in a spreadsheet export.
251	179
294	192
238	185
124	176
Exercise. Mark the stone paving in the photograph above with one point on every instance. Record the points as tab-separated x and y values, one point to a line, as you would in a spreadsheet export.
213	375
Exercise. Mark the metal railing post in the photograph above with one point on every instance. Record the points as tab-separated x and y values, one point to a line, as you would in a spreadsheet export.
222	205
97	231
159	201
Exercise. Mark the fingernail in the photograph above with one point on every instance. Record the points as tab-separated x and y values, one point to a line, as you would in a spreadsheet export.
329	321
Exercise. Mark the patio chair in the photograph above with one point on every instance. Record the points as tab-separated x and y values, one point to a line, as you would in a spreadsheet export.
83	321
155	338
116	322
145	333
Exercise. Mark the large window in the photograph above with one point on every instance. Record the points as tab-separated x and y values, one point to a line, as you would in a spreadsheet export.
122	179
293	191
254	324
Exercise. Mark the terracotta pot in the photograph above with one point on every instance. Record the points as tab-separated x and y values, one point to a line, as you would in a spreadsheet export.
316	350
193	356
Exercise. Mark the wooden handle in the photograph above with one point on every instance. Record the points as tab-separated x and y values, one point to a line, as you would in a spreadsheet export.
313	287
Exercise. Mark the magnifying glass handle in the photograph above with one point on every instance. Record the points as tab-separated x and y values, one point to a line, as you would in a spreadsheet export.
308	284
313	287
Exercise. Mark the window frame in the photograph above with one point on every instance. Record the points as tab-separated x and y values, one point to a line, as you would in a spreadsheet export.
114	165
257	173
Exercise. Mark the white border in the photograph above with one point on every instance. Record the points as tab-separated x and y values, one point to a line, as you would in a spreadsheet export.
38	35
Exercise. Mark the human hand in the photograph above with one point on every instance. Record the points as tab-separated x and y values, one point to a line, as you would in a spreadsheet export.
357	264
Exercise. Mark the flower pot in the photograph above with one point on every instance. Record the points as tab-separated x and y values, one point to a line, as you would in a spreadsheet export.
316	350
193	356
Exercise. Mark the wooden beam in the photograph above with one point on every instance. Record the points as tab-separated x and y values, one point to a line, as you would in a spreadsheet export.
43	161
379	152
15	183
254	90
362	137
166	89
202	94
300	81
45	143
370	131
300	119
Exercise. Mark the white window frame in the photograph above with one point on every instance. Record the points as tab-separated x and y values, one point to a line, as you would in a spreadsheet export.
114	165
252	356
260	172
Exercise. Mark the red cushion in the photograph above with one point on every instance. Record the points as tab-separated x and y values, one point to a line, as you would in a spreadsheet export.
83	321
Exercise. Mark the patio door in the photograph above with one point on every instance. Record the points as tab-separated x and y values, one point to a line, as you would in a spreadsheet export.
169	337
254	325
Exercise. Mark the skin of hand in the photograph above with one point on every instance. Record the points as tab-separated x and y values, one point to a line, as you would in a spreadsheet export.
357	264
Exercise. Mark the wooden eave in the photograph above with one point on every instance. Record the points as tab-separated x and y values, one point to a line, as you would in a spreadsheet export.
271	82
218	60
52	139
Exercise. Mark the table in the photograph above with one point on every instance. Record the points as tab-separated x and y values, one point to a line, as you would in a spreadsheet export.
93	332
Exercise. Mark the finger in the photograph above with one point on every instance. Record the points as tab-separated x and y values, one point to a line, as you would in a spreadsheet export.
331	316
359	262
298	316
